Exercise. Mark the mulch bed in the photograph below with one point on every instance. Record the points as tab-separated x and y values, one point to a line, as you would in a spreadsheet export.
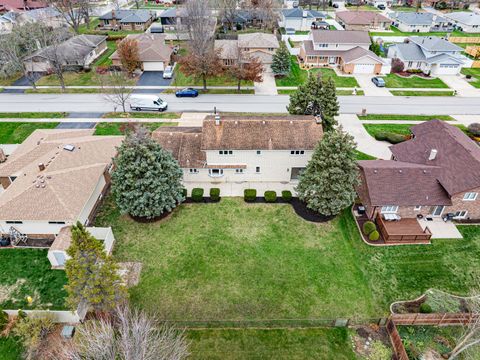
406	74
365	335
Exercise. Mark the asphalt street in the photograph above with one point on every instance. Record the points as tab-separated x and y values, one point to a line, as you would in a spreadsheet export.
95	103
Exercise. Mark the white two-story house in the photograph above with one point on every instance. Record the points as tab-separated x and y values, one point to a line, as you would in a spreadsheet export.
465	21
300	19
408	21
234	153
347	50
431	54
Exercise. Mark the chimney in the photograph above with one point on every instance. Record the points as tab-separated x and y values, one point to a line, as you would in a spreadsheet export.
433	154
217	120
305	13
41	166
113	14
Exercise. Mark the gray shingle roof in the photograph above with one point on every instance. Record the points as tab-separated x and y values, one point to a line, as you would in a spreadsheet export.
128	16
357	53
298	13
414	18
464	17
410	52
434	43
341	37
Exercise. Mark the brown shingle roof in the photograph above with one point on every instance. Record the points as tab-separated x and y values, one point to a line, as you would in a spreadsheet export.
257	40
309	50
457	155
261	133
341	37
361	17
357	53
151	47
228	49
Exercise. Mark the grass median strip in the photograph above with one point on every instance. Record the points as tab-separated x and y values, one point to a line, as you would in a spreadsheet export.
143	115
17	132
421	93
339	92
34	115
413	81
119	128
388	117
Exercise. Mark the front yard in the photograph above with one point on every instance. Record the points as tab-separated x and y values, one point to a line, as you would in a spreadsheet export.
396	81
181	79
298	76
241	261
475	73
27	272
17	132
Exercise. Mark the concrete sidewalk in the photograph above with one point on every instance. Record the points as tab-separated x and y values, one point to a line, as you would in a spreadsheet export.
460	85
369	88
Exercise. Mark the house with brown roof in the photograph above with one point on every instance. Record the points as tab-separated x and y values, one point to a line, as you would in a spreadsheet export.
234	153
21	5
346	50
363	20
436	174
153	53
52	180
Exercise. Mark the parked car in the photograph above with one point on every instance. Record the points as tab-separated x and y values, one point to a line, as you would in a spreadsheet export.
168	72
378	81
156	29
147	102
187	92
335	5
381	7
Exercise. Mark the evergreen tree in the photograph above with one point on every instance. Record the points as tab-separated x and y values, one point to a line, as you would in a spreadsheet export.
147	179
327	184
316	97
92	274
281	61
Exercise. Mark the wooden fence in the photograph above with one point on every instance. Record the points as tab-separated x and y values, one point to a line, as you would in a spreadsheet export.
476	64
398	348
440	319
464	40
473	51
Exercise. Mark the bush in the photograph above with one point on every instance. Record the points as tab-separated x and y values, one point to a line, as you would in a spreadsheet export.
215	194
197	194
468	76
425	308
184	193
474	129
32	331
397	65
287	195
378	351
270	196
3	320
369	227
374	235
392	138
250	194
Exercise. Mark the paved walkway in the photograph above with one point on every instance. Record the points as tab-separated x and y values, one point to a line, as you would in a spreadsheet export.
467	119
335	24
441	229
365	143
369	88
267	86
458	83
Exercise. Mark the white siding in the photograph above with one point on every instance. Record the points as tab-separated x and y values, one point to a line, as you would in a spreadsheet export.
83	218
33	227
153	66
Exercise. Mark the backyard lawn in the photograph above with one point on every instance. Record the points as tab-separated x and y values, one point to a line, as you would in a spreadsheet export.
403	129
16	132
395	81
396	32
10	349
475	75
298	76
104	128
333	343
27	272
104	59
238	261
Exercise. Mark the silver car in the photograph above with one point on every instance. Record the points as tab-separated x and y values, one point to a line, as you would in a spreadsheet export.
168	72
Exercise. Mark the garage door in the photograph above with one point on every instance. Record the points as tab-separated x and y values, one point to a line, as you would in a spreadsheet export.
363	68
445	69
153	66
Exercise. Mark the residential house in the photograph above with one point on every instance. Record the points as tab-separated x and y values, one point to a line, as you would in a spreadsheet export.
20	5
127	20
435	174
171	17
420	22
431	54
259	45
8	21
465	21
245	18
78	52
300	19
154	54
234	153
47	16
347	50
55	178
363	20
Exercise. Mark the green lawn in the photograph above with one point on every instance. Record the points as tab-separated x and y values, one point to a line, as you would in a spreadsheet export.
116	128
363	156
181	79
10	349
27	272
339	92
104	59
67	91
34	115
395	81
475	75
240	261
7	81
16	132
298	76
82	78
143	115
397	32
333	343
403	129
421	93
405	117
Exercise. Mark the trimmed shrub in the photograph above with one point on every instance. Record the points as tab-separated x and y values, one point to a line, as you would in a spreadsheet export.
287	195
425	308
197	194
215	194
3	320
397	65
374	235
184	193
392	138
250	194
270	196
474	129
468	76
369	227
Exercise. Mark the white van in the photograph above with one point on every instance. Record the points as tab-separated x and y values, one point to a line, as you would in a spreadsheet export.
147	102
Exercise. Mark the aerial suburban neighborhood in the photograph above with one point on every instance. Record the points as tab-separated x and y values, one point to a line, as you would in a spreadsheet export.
239	179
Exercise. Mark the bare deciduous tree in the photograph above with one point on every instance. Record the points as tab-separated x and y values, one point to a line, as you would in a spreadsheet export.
129	335
228	12
73	11
115	89
470	337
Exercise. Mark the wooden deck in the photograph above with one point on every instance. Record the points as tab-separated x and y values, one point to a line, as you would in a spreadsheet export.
406	230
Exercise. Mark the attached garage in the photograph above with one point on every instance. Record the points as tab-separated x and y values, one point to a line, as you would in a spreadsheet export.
361	61
364	68
153	66
445	69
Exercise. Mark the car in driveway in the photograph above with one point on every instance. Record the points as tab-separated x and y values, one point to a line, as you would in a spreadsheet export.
378	81
187	92
168	72
381	7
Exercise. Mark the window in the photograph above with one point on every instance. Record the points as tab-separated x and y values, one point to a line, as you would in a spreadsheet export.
296	171
257	169
12	178
461	214
470	196
14	222
259	152
297	152
389	209
238	171
225	152
193	171
106	22
57	222
215	172
417	208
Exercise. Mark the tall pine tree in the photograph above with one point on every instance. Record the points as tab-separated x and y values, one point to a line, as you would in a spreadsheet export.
147	180
330	106
327	185
281	61
92	275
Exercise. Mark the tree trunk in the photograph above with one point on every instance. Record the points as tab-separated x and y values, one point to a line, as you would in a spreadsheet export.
62	80
238	85
204	78
123	106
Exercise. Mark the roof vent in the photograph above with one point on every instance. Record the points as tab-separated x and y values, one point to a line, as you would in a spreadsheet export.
69	147
41	166
433	154
217	120
400	171
263	122
424	171
375	171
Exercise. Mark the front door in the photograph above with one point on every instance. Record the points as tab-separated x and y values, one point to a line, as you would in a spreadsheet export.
332	60
438	210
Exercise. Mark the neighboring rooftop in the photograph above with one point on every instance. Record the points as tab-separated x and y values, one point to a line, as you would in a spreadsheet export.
359	52
434	43
361	17
464	17
228	49
257	40
128	16
417	18
60	191
151	47
341	37
302	13
21	5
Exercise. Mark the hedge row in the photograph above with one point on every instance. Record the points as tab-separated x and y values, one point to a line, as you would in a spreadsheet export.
392	138
197	194
370	229
270	196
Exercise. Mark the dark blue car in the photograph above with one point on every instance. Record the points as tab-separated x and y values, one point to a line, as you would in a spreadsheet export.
188	92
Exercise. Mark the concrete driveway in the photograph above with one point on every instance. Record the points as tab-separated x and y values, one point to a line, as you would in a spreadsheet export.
458	83
267	86
370	89
76	125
